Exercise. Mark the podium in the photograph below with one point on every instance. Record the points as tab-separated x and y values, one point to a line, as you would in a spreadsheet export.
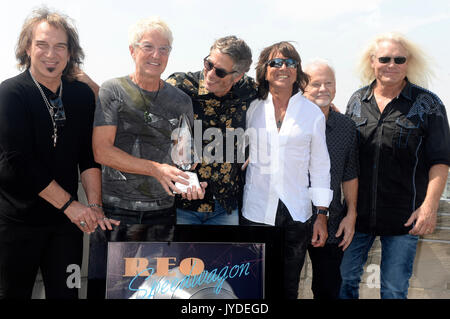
186	261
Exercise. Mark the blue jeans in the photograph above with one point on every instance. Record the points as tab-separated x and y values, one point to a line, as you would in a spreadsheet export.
218	217
397	260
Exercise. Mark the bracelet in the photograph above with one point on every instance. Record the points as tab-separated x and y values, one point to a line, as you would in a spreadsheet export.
71	199
95	205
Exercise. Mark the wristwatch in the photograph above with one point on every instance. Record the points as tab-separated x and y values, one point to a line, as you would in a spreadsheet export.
323	212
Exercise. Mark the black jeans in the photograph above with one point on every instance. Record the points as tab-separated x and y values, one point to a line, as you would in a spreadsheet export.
326	263
25	249
297	236
133	227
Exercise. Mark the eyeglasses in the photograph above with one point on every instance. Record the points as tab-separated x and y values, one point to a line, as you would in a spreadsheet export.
221	73
59	115
150	48
387	59
278	63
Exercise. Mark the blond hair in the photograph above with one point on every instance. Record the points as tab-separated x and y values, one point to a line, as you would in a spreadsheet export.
419	70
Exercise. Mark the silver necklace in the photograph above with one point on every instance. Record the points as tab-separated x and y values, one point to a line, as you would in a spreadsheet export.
50	108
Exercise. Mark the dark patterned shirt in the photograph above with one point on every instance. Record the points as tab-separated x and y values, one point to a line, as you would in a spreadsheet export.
396	149
342	147
227	113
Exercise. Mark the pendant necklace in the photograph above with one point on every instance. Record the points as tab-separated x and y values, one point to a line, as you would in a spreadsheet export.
50	108
279	124
280	120
147	116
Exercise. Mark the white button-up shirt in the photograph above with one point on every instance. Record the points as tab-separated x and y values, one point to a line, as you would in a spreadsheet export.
280	161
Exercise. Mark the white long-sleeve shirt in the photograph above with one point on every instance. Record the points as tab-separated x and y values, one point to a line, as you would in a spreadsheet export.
280	161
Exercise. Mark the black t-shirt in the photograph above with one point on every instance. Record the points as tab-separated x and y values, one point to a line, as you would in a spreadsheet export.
28	159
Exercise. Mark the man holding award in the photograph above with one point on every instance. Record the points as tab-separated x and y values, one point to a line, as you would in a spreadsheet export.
132	139
134	119
221	94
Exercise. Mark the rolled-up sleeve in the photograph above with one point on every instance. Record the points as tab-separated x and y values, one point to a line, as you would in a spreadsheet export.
319	166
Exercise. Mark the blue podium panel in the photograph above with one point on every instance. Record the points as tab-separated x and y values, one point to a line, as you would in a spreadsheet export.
183	270
186	262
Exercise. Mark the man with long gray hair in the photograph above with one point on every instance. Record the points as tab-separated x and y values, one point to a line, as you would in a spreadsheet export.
221	94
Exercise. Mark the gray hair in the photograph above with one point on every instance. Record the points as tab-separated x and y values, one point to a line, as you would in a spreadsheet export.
237	50
138	30
318	62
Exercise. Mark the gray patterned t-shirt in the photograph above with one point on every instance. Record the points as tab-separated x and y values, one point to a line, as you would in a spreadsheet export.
144	127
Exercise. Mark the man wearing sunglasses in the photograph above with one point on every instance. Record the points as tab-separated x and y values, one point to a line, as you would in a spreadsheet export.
404	154
221	94
289	165
45	140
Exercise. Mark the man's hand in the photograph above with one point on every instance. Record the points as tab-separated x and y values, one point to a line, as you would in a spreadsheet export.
244	166
103	221
347	226
168	175
425	218
320	231
82	216
195	193
83	77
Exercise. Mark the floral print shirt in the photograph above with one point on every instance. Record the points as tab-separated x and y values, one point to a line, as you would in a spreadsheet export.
219	117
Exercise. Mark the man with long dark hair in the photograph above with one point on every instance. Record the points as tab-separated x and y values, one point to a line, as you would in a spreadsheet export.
45	139
289	163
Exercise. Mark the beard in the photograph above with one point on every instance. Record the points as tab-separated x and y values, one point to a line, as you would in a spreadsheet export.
323	102
51	70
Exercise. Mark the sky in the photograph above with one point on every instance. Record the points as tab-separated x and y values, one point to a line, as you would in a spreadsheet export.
329	29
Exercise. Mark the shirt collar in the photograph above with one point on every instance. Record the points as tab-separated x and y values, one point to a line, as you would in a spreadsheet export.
201	85
331	121
406	91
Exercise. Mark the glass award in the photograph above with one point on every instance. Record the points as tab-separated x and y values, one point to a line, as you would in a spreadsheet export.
184	154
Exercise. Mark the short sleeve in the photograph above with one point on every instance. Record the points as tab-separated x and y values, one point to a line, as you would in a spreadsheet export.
107	105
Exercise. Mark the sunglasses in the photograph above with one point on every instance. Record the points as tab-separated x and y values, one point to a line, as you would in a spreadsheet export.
59	115
387	59
278	63
221	73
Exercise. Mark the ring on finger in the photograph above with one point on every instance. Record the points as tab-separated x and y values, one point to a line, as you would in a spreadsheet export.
83	224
